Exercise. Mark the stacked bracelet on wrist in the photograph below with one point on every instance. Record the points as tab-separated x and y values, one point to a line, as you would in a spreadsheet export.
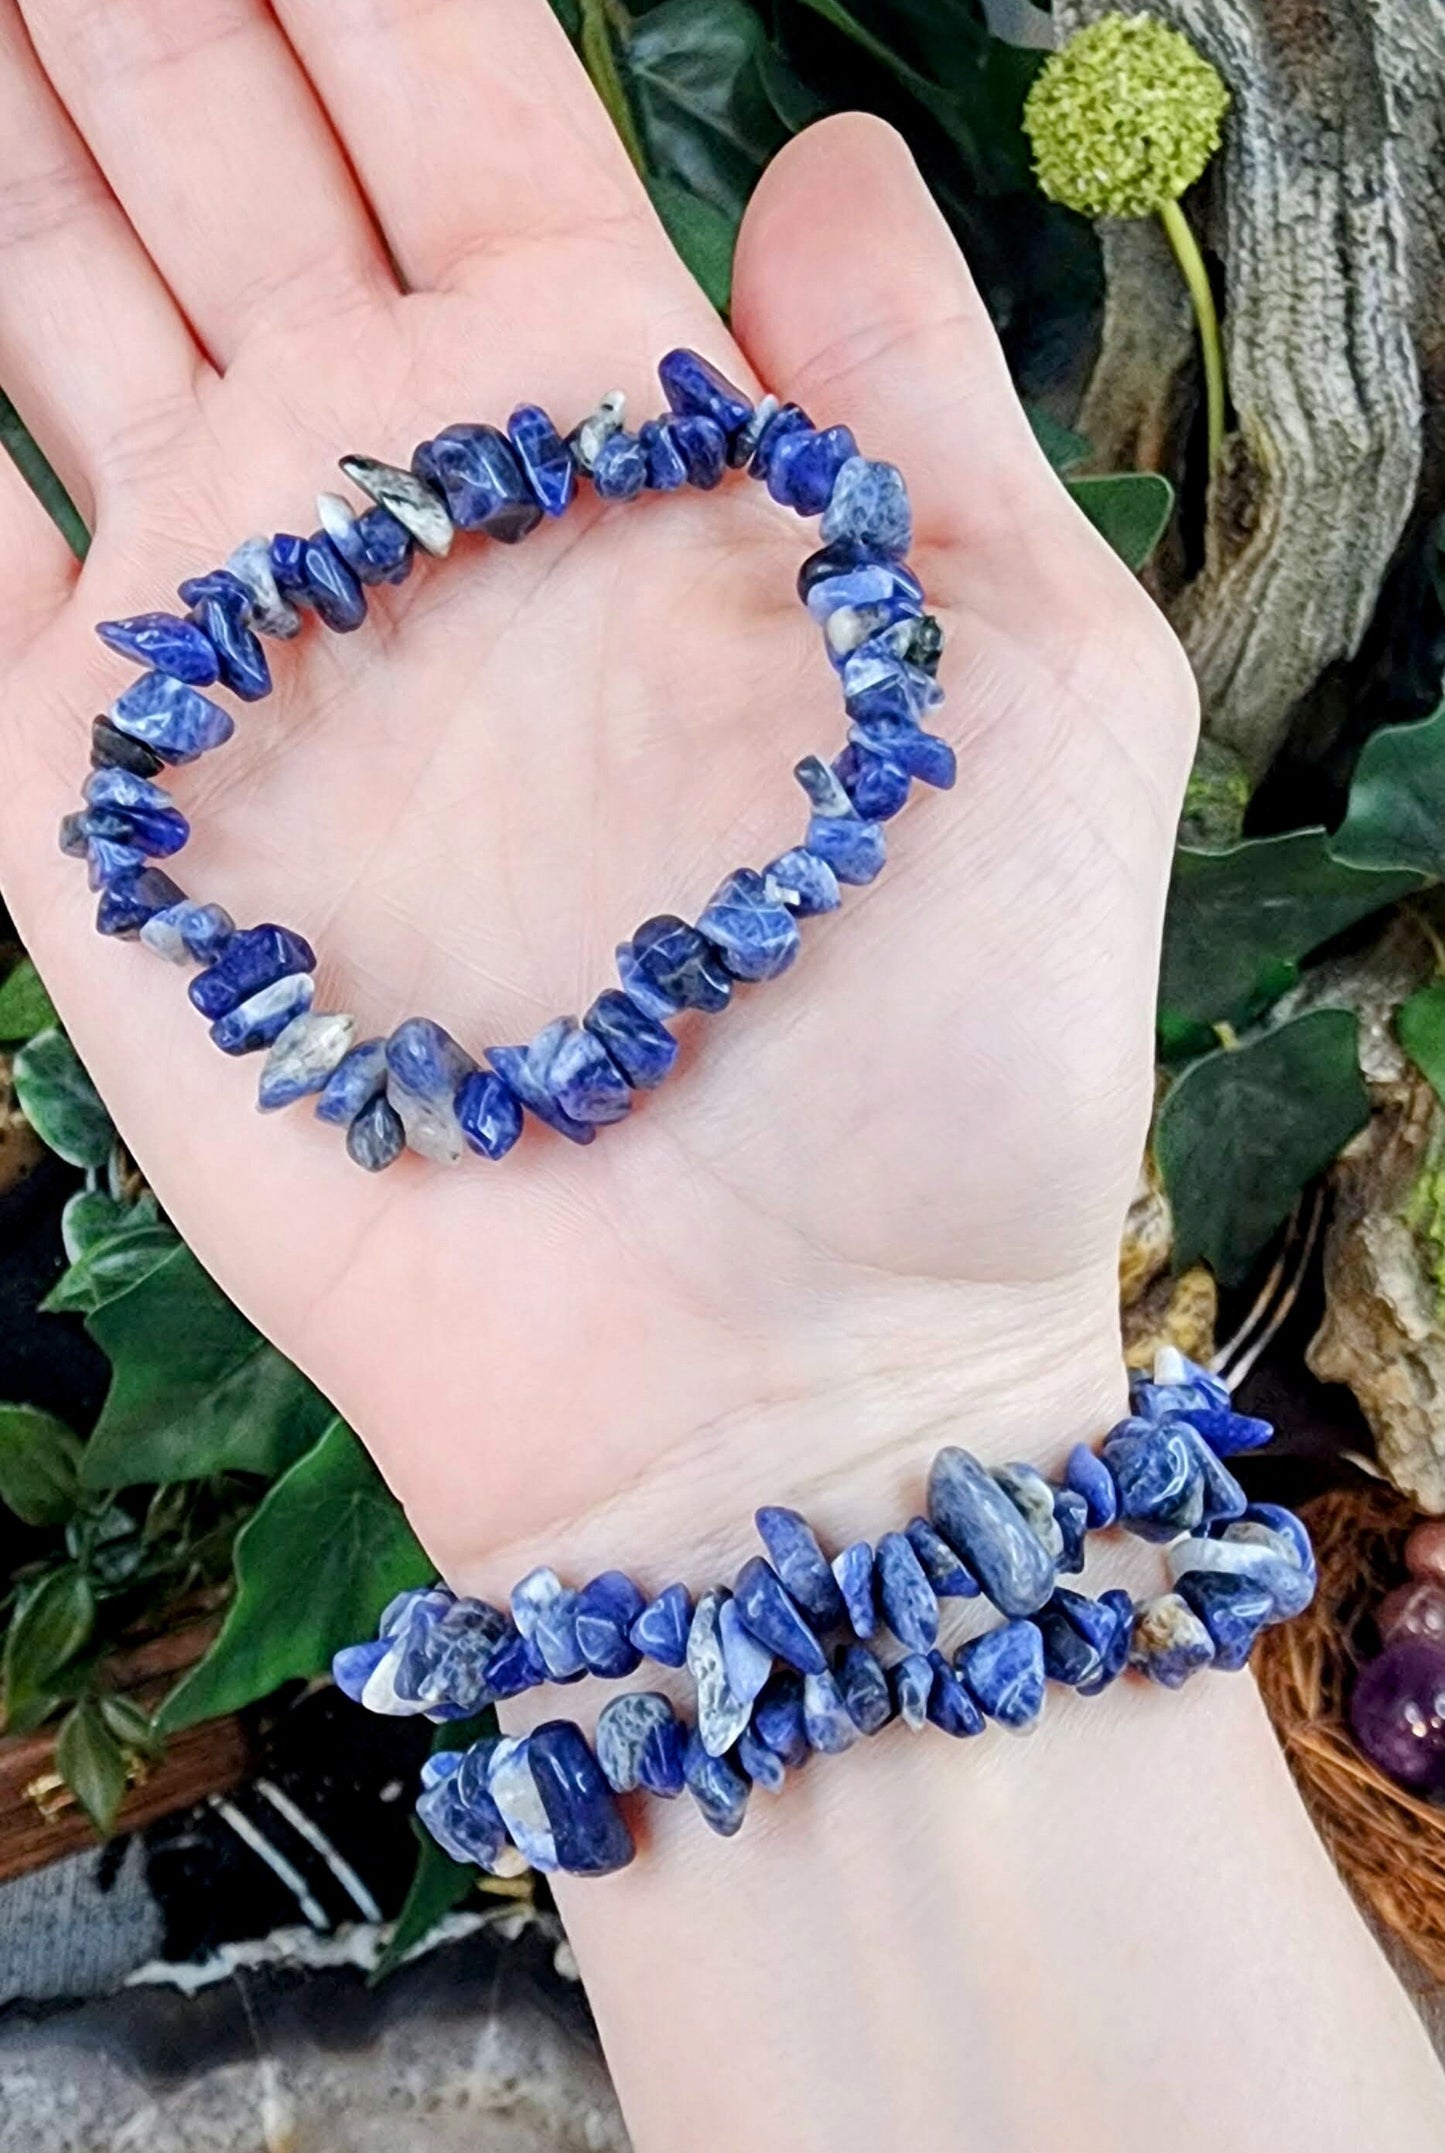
418	1087
789	1660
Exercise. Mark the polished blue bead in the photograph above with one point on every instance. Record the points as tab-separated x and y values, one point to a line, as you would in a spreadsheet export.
588	1829
857	1581
641	1047
855	850
1003	1672
1224	1498
544	457
311	571
1120	1605
1275	1518
477	473
556	1639
489	1114
163	640
1071	1515
513	1789
619	472
920	755
1249	1548
1157	1472
149	823
912	1680
177	721
1227	1434
583	1079
722	1711
1233	1609
205	930
941	1566
532	1595
221	609
747	1663
445	1642
468	1830
764	1767
628	1744
877	785
717	1786
251	959
1069	1657
692	384
778	1719
805	883
910	1604
803	467
123	791
126	905
800	1563
1170	1642
527	1070
111	860
949	1705
660	1770
787	420
1087	1474
74	836
666	467
1095	1620
605	1612
826	1717
1185	1388
660	1631
354	1665
111	750
853	599
975	1517
869	506
864	1687
515	1666
375	547
358	1078
701	444
261	1019
879	687
668	966
774	1617
755	938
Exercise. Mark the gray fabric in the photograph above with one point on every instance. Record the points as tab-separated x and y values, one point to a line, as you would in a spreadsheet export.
61	1936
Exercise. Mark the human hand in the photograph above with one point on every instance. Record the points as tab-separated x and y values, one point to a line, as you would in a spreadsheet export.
878	1194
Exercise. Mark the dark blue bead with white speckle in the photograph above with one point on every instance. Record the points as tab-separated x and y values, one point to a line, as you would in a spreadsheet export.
220	607
921	755
468	1830
755	938
642	1049
775	1618
1233	1610
515	1666
788	419
717	1786
1098	1623
701	444
376	1138
910	1604
660	1631
869	507
803	467
779	1721
1120	1605
973	1514
693	385
764	1767
375	547
627	1745
800	1563
879	687
620	471
941	1566
877	785
605	1612
1003	1672
806	884
556	1639
173	646
1170	1642
588	1828
664	461
857	1581
949	1705
865	1690
855	850
1071	1515
747	1662
583	1079
668	966
356	1080
126	905
1069	1657
261	1019
826	1717
1160	1481
312	572
544	457
252	958
912	1681
528	1072
476	471
1087	1474
489	1114
1224	1498
178	722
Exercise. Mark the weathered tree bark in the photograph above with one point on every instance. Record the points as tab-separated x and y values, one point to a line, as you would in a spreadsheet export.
1325	209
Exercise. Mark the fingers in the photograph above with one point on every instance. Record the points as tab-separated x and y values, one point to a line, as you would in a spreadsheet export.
37	568
850	295
468	123
92	349
210	136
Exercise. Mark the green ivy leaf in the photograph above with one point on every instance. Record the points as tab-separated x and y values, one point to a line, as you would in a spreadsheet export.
134	1729
1421	1028
1062	446
108	1267
195	1389
92	1762
326	1550
702	234
1129	508
39	1465
59	1101
52	1625
1397	800
1242	1131
1239	920
25	1007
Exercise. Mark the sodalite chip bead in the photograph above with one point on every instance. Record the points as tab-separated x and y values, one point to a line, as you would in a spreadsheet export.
973	1514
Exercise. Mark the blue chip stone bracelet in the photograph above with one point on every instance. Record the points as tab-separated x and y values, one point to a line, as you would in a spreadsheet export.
418	1089
794	1659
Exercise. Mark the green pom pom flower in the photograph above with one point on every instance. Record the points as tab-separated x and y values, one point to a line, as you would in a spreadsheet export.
1124	117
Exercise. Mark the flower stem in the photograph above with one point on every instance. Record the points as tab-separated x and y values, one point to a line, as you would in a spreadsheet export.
1196	276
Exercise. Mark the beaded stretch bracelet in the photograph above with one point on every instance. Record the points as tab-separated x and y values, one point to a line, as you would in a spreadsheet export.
419	1087
782	1665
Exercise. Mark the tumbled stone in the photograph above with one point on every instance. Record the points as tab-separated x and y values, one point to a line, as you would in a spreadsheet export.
513	1789
881	689
1170	1642
252	958
977	1519
544	458
126	904
488	1113
624	1727
763	1766
109	859
273	615
586	439
1275	1519
1071	1515
949	1705
660	1770
162	934
206	930
869	507
606	1609
864	1688
912	1680
801	880
778	1718
555	1636
1157	1473
130	810
220	606
376	1138
941	1565
857	1582
1003	1672
1249	1551
178	722
666	468
476	471
769	1611
785	421
660	1631
375	547
589	1832
584	1080
1233	1610
668	967
909	1602
312	572
469	1830
262	1018
1119	1605
918	754
853	598
800	1563
418	508
527	1071
173	646
642	1049
804	464
721	1713
747	1661
303	1057
619	470
692	384
702	447
1087	1474
515	1666
877	786
826	1717
355	1081
114	750
855	850
755	938
717	1786
425	1066
532	1595
1069	1657
1224	1498
1033	1498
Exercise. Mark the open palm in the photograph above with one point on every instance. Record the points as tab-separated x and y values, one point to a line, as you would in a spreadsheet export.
338	228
